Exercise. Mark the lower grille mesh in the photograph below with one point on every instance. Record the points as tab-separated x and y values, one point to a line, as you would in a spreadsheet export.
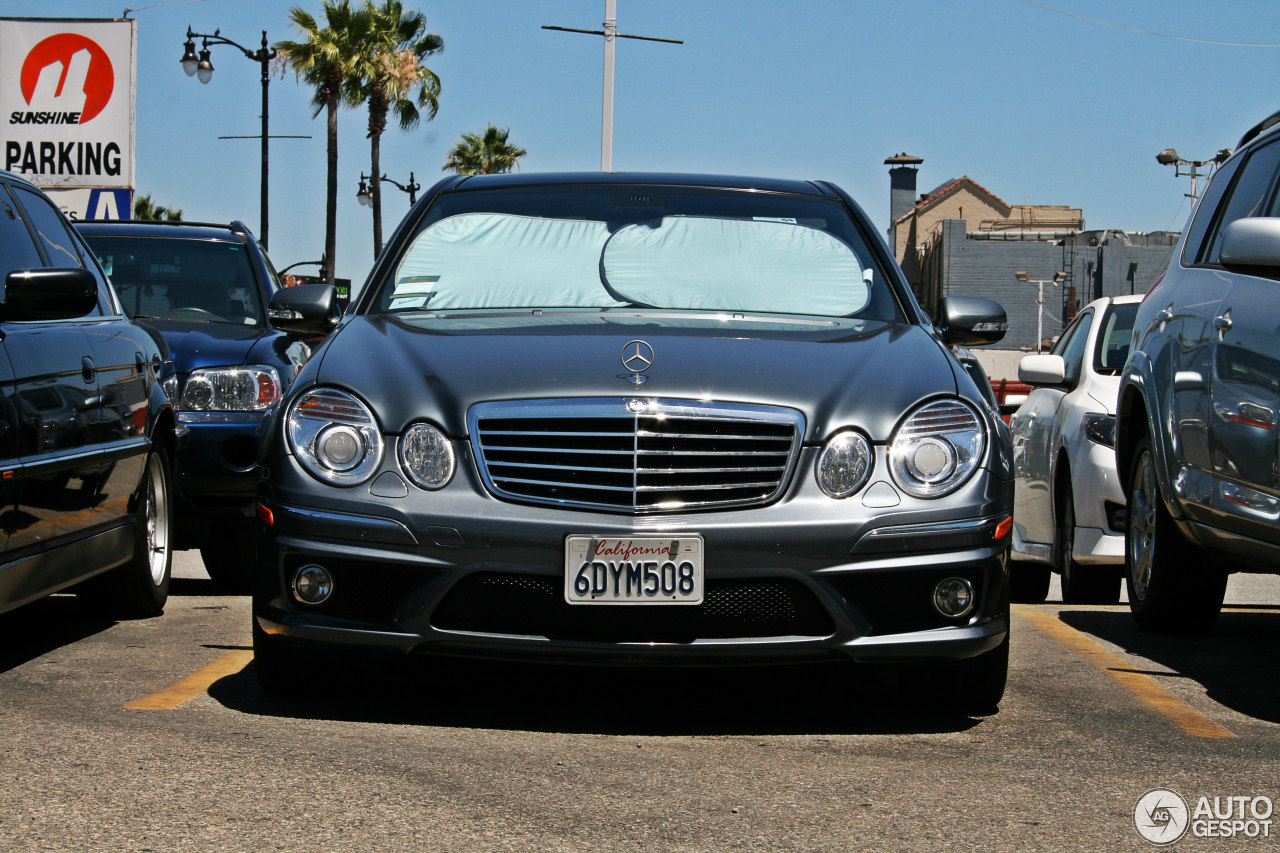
534	605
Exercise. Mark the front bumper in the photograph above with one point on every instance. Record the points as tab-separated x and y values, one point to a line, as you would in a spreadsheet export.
1098	495
457	572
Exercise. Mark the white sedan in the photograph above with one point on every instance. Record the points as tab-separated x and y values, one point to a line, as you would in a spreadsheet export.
1069	506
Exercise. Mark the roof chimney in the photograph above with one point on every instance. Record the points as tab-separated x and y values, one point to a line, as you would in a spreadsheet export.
902	184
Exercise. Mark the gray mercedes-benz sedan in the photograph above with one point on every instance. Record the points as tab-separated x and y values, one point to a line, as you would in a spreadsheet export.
644	420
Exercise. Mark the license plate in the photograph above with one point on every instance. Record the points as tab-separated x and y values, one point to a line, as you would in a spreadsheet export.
633	569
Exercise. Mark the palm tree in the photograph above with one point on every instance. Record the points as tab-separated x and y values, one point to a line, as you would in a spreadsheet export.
390	77
489	154
326	59
145	208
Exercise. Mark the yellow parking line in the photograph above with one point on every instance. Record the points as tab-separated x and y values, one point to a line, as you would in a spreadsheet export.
192	685
1142	686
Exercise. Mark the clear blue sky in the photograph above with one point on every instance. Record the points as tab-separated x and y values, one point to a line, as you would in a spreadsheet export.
1037	106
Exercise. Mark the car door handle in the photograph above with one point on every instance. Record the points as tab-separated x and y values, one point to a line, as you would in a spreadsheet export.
87	369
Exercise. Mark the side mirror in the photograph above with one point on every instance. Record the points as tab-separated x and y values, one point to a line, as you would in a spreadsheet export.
305	309
1042	369
48	294
1252	242
971	321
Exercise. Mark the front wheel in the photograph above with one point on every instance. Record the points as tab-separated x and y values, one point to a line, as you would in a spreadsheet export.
972	687
1173	586
229	557
1028	582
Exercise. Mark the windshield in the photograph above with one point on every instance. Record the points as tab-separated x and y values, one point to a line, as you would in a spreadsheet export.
639	247
181	279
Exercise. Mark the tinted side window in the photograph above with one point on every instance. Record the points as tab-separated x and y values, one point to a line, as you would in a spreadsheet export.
56	238
1249	195
17	251
1071	347
1204	211
1112	349
51	233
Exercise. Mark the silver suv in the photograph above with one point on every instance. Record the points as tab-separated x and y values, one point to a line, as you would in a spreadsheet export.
1197	412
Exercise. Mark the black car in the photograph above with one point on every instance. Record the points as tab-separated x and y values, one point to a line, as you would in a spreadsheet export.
207	288
1199	402
640	419
86	430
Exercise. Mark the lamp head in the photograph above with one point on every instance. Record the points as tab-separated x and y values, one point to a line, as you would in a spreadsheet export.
189	60
1021	275
204	69
1168	157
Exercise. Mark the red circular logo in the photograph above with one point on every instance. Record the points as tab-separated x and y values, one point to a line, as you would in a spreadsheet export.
98	82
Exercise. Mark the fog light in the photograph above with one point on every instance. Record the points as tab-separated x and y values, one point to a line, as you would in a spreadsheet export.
953	597
312	585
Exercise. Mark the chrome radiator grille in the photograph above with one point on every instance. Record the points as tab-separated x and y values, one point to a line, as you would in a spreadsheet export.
635	455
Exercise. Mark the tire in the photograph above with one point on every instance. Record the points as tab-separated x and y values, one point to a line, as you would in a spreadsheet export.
229	557
280	668
1173	585
287	666
1028	582
970	687
1080	584
140	587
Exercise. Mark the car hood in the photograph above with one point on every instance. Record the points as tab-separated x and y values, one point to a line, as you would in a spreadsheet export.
837	373
197	344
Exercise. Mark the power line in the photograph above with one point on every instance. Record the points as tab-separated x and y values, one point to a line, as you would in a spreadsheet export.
1146	32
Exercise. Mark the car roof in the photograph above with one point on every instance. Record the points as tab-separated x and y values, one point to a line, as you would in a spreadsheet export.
731	182
19	179
164	228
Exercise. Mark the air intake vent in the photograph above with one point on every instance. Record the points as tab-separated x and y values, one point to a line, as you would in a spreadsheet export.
635	455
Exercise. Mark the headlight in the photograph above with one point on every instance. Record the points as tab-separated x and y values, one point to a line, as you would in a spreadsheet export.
335	436
230	389
426	455
845	464
937	448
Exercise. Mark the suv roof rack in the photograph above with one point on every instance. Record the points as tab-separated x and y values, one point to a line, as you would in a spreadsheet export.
1258	129
235	226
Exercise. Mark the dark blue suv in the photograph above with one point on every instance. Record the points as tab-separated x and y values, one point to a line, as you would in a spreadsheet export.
207	288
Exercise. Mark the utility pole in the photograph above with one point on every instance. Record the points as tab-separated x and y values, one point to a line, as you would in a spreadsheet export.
611	34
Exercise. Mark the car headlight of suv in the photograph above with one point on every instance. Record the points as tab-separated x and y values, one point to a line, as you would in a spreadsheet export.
254	388
426	455
844	464
937	448
334	436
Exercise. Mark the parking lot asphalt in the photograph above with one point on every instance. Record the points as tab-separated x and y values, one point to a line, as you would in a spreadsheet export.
153	735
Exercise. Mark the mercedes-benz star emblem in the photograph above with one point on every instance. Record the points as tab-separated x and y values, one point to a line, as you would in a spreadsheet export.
637	356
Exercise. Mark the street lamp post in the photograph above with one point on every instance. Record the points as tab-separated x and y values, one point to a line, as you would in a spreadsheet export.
369	188
610	34
201	68
1058	278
